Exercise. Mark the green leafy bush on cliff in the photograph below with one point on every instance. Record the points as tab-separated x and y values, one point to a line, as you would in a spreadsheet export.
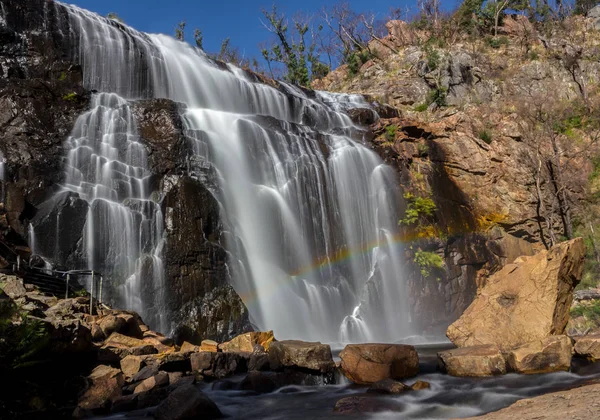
428	261
438	96
390	132
418	207
71	97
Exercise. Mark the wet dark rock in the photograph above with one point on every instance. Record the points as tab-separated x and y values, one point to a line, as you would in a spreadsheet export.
259	362
364	404
258	382
388	386
187	402
199	282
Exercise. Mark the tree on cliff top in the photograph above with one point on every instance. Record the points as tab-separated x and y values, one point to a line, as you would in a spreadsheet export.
295	49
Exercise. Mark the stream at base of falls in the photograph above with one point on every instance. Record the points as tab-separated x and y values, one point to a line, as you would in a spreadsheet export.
449	397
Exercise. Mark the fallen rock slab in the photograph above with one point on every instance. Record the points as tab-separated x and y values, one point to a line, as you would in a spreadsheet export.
588	346
369	363
578	403
475	361
525	301
302	355
551	354
187	402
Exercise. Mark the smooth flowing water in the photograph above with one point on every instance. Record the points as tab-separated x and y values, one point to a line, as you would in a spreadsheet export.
123	234
309	213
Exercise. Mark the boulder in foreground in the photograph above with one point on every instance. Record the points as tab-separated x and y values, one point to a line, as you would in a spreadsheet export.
551	354
187	402
476	361
302	355
526	301
588	346
369	363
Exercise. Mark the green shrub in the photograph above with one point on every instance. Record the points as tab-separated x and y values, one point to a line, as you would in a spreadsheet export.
486	136
433	58
418	207
427	261
423	149
390	132
20	341
356	59
590	311
438	96
63	76
533	56
71	97
497	42
422	107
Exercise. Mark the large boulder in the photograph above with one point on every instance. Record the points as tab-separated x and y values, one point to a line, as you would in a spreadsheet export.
588	346
247	342
473	361
301	354
187	402
104	386
370	363
551	354
527	300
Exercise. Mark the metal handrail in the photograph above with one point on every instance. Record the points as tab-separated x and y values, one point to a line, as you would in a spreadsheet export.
17	268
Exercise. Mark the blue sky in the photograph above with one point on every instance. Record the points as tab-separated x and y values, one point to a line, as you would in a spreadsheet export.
237	19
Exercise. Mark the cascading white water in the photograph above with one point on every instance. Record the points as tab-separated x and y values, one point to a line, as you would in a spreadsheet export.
123	234
310	213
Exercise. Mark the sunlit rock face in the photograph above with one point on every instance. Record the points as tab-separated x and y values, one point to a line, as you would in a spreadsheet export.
265	187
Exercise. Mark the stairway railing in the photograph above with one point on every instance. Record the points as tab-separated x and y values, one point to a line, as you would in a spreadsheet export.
45	275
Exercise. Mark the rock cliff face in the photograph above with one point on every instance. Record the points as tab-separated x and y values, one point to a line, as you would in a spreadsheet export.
41	96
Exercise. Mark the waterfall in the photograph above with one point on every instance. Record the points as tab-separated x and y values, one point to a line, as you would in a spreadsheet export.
123	233
310	213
